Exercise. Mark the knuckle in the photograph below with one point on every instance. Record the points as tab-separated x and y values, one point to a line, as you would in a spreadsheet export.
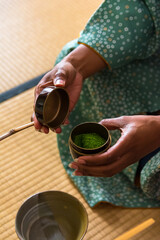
109	172
84	170
123	119
60	73
106	158
38	88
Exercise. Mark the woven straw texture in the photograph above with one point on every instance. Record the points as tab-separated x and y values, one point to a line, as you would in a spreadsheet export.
30	163
32	34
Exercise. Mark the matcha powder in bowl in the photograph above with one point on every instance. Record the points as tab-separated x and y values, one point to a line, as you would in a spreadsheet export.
89	140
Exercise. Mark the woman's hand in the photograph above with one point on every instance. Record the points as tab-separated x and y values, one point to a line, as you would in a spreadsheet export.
63	75
140	135
70	73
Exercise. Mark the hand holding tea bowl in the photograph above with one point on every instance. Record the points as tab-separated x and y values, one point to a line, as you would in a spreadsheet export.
129	148
88	139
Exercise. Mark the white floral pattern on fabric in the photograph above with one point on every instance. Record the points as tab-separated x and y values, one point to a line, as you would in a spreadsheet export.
120	31
126	90
154	8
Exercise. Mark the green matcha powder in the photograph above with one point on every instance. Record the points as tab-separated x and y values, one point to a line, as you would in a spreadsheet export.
89	140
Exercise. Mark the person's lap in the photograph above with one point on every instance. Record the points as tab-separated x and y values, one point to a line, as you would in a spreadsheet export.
107	94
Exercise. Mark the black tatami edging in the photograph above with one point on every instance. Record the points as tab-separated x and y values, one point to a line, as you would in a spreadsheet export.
20	88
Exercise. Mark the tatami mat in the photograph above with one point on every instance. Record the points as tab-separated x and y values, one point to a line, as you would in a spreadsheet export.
33	33
30	163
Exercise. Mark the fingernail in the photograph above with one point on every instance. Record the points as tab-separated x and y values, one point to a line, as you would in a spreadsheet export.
45	130
58	130
71	165
59	82
42	130
81	161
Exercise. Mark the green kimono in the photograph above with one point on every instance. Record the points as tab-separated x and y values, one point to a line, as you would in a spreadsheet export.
126	34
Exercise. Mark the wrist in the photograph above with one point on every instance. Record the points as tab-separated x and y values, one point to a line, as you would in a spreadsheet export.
85	61
156	123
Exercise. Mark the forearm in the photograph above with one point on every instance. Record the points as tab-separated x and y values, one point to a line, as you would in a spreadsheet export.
86	61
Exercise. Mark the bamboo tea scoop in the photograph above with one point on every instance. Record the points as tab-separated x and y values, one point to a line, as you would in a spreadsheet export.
15	130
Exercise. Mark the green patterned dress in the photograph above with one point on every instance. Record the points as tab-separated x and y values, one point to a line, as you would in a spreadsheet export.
126	34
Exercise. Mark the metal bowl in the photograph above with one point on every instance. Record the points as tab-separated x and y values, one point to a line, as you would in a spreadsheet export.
52	106
51	215
88	127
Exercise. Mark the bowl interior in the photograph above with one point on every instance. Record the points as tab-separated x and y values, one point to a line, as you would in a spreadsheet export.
56	107
51	215
51	106
89	127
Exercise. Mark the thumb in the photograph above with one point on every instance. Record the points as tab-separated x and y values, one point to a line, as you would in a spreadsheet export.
60	78
112	123
123	143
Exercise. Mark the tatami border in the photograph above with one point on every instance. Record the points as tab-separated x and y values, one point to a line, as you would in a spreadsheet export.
20	88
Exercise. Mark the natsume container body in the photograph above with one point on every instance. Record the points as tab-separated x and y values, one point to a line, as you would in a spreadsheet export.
52	106
88	127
